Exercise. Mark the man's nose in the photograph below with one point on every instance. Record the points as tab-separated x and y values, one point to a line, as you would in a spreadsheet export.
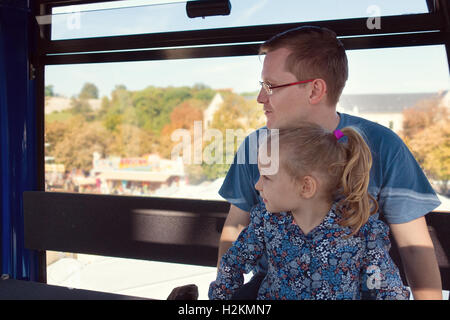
262	96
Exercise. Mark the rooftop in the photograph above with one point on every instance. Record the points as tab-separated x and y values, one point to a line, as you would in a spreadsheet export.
383	103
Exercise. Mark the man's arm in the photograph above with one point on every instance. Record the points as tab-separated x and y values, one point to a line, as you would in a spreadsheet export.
239	259
378	268
418	258
236	221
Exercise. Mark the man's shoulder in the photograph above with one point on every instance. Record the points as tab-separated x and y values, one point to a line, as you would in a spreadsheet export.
365	125
256	133
374	133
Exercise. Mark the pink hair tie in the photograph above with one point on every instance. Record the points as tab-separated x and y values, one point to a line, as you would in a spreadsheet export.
338	134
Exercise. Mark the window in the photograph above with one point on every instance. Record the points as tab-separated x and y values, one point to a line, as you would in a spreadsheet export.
97	112
387	86
126	121
150	16
109	133
129	110
119	117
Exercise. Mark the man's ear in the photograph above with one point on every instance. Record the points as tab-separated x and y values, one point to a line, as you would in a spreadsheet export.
307	187
318	91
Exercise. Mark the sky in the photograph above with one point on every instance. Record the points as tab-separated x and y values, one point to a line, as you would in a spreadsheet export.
394	70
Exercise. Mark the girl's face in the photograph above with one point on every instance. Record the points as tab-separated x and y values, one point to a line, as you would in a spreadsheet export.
278	190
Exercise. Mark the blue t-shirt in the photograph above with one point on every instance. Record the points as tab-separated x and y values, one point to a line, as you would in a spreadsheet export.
396	180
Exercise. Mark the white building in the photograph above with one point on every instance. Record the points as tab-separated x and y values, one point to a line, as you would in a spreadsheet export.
58	104
385	109
208	114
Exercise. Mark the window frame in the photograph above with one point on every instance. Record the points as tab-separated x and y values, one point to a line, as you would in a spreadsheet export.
432	28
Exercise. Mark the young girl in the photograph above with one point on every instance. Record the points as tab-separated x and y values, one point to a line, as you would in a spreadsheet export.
316	229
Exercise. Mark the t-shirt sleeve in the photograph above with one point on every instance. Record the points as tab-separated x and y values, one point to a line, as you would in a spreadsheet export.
405	193
238	187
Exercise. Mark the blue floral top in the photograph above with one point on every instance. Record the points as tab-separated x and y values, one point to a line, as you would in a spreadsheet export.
324	264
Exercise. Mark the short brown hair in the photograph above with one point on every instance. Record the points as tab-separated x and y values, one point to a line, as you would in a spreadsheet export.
316	53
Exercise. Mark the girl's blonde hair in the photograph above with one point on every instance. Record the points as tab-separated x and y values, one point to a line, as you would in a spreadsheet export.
343	168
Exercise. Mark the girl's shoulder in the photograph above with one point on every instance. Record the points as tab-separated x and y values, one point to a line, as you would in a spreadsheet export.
374	227
374	230
259	213
258	210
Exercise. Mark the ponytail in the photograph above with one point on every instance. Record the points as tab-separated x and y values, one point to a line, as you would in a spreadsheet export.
345	167
357	205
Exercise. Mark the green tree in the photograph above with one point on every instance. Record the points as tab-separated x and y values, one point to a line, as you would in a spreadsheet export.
49	91
421	116
104	107
237	112
154	106
74	144
427	133
203	92
240	115
182	117
113	112
431	147
88	91
81	107
54	133
111	121
131	141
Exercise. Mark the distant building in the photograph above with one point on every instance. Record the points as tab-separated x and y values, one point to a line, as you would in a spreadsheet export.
149	173
59	104
208	114
445	98
385	109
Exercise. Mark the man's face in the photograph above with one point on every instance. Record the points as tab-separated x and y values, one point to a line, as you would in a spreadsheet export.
288	105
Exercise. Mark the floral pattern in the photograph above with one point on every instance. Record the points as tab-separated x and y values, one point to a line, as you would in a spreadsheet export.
323	264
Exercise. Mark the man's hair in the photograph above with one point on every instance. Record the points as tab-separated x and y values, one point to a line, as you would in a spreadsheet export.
316	53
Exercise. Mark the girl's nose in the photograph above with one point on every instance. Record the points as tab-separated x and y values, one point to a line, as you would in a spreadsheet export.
258	185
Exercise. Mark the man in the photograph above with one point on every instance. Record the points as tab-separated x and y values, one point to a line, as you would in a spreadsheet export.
304	73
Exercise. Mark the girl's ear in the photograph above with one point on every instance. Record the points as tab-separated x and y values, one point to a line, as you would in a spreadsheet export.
307	187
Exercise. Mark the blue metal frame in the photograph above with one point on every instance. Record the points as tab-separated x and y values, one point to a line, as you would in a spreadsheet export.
18	138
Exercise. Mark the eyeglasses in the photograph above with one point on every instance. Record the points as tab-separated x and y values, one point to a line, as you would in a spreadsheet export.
269	88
